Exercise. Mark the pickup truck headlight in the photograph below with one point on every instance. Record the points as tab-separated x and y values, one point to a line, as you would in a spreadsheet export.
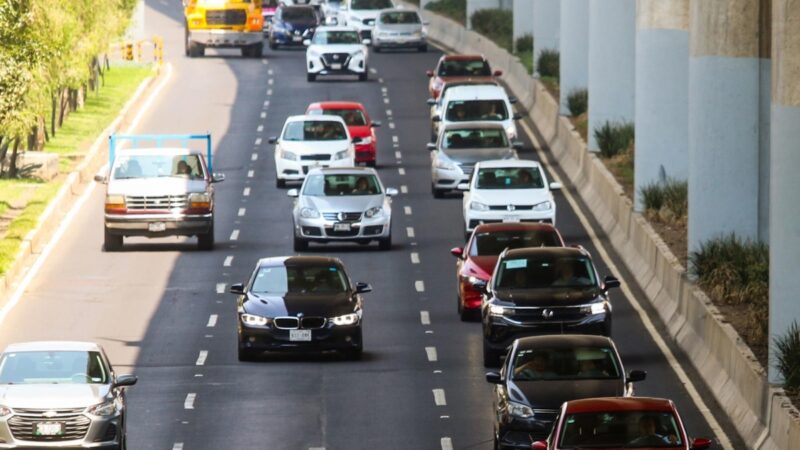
341	155
478	206
254	320
289	156
200	200
5	411
544	206
309	213
115	203
347	319
373	212
103	409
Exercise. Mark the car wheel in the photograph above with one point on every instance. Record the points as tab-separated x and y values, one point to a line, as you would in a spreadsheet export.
311	77
246	354
273	45
490	357
355	353
253	51
463	314
195	49
423	48
205	241
437	193
386	243
300	245
280	182
376	48
364	76
112	242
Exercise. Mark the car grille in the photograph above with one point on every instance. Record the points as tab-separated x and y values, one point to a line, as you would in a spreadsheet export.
346	217
350	233
536	315
312	322
23	424
366	34
226	17
293	323
336	58
156	202
516	207
317	157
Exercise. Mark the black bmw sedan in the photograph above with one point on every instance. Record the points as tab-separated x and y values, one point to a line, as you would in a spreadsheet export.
299	303
537	291
542	372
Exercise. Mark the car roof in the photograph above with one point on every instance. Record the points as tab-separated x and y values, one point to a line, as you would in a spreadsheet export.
545	251
495	163
469	81
514	226
336	105
309	261
172	151
295	6
396	10
563	341
315	118
477	92
463	57
470	125
55	346
335	28
619	404
343	171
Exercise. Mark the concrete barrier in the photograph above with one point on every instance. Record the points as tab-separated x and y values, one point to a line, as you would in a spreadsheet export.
763	416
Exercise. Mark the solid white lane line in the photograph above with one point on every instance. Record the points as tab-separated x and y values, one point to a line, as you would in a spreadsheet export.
246	192
258	141
189	402
212	321
407	210
177	446
419	285
260	128
410	232
235	235
438	397
228	261
447	443
414	258
431	353
242	212
220	288
648	324
201	358
254	157
425	317
401	171
404	189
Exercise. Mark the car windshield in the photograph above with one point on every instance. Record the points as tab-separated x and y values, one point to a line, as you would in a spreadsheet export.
470	138
546	271
352	117
281	280
476	110
336	37
339	185
152	166
621	429
371	4
494	242
315	130
510	178
464	68
573	363
53	367
299	14
400	18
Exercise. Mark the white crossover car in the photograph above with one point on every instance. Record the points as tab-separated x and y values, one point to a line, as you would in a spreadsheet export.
342	205
399	28
362	14
477	103
508	191
308	142
335	50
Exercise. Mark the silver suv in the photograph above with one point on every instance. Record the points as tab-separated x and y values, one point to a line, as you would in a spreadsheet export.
61	395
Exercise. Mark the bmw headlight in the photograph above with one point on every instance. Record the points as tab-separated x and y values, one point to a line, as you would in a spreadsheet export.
444	164
309	213
520	410
347	319
103	409
373	212
478	206
497	310
594	308
287	155
254	320
544	206
341	155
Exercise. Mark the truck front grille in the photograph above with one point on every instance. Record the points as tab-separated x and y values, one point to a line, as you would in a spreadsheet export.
226	17
156	202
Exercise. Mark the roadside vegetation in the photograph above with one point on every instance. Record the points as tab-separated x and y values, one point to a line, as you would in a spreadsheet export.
454	9
787	360
616	142
495	24
523	49
548	68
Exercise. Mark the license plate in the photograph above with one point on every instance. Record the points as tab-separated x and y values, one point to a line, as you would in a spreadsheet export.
300	335
49	429
156	226
336	66
297	38
511	219
341	227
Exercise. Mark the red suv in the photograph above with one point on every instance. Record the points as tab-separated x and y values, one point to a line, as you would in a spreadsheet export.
459	68
477	259
360	126
620	423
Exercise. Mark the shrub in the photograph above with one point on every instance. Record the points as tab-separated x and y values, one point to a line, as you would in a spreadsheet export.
454	9
614	138
495	24
578	102
548	63
524	43
671	195
787	357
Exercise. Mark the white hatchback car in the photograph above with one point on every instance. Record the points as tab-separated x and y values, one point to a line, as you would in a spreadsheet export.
361	14
508	191
477	103
308	142
337	51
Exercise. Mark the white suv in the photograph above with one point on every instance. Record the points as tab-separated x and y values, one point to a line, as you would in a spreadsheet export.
307	142
336	51
477	103
362	14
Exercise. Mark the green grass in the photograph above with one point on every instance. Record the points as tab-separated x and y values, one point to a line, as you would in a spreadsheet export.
12	190
526	59
454	9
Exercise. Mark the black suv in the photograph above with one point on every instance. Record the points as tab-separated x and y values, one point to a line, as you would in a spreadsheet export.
537	291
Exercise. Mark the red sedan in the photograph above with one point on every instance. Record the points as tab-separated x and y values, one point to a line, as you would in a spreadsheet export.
477	259
358	123
620	423
459	67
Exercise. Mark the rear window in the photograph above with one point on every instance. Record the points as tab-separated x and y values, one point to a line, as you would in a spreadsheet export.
352	117
476	110
400	18
313	130
468	68
545	271
298	13
621	429
493	243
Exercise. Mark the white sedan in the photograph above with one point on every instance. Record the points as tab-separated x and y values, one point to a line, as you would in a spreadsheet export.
508	191
337	51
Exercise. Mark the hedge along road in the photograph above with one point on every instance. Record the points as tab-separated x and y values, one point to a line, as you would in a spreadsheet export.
160	310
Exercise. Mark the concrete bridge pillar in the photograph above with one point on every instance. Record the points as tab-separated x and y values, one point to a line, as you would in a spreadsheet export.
523	19
727	150
612	71
574	44
662	92
546	24
784	211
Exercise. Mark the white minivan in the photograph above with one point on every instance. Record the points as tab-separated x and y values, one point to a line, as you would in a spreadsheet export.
477	103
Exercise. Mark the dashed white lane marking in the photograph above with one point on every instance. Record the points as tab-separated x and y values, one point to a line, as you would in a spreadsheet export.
266	103
242	212
228	261
433	356
372	70
264	62
250	173
201	358
263	115
316	448
270	82
258	141
212	321
177	446
414	258
410	232
398	155
437	371
404	189
407	210
395	138
235	235
388	112
391	125
419	285
380	80
220	288
269	91
384	89
260	128
425	317
254	157
438	397
246	192
189	402
386	100
447	443
401	171
270	72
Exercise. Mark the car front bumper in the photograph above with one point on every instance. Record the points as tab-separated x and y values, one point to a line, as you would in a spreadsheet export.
519	433
322	230
290	170
365	153
287	38
226	38
351	66
157	225
474	218
500	332
101	432
330	337
394	41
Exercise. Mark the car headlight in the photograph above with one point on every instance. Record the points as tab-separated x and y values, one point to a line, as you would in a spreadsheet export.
309	213
200	200
544	206
520	410
478	206
287	155
347	319
444	164
474	280
254	320
115	202
511	131
103	409
5	411
357	54
497	310
373	212
365	140
341	155
595	308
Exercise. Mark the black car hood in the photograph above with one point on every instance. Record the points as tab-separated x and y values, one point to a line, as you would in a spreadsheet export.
309	304
549	297
299	25
551	394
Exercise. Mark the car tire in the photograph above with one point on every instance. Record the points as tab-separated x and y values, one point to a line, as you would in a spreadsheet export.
205	241
355	353
300	245
311	77
253	51
385	244
246	354
364	76
463	314
273	45
195	50
437	193
376	48
490	357
423	48
112	242
280	182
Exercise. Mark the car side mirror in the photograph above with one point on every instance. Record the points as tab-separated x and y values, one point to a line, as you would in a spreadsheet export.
237	288
101	178
429	73
635	376
125	380
539	445
430	101
516	145
458	252
436	118
610	282
701	443
391	192
363	288
512	100
307	42
494	377
376	124
430	146
217	177
517	116
366	41
273	140
555	186
498	73
293	193
463	186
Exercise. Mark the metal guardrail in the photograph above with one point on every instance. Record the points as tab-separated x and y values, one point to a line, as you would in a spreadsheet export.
143	50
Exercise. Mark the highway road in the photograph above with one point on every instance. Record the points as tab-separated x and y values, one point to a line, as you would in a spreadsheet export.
159	310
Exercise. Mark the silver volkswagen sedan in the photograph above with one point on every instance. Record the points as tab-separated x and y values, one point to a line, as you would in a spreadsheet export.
342	204
399	28
61	395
